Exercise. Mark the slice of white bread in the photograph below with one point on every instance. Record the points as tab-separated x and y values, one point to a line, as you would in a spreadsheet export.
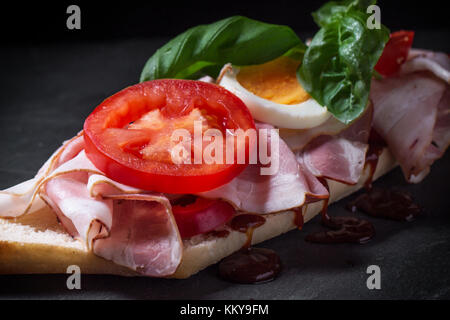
36	243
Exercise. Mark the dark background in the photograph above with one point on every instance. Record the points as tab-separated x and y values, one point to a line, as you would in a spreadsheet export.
51	78
44	21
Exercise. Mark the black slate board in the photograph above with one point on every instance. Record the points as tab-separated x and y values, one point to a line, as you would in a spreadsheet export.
47	91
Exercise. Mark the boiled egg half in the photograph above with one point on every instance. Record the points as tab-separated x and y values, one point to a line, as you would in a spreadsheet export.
273	94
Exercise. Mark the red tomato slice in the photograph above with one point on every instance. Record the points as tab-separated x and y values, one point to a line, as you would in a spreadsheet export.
395	52
128	136
201	216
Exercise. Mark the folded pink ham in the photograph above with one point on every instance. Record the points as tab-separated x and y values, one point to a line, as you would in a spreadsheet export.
412	112
287	189
340	157
131	227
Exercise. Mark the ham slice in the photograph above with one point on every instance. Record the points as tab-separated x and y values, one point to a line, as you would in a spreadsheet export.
287	189
423	60
339	157
335	158
411	112
131	227
147	243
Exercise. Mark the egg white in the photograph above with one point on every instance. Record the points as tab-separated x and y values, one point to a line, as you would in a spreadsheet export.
304	115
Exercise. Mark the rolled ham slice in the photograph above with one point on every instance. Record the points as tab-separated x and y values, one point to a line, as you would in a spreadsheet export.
339	157
335	158
424	60
412	112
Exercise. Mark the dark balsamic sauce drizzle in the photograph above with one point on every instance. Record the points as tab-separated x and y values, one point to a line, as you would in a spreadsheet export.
249	265
298	217
343	229
388	204
376	146
382	203
246	223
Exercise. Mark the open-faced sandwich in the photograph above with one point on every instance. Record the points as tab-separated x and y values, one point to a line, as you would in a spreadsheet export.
237	133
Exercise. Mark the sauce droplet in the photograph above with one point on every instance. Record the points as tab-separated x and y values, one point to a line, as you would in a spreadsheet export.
250	265
389	204
343	229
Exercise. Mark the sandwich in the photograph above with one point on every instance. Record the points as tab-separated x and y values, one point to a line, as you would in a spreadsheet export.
237	132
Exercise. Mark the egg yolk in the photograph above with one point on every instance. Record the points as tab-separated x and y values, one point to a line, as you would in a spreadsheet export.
275	80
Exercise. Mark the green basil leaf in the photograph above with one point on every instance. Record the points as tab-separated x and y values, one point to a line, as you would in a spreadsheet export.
206	48
330	9
338	65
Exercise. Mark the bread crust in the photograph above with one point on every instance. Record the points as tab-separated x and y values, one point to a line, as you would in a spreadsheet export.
36	243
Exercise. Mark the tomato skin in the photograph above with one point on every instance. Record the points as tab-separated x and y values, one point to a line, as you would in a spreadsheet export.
395	52
129	104
202	216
